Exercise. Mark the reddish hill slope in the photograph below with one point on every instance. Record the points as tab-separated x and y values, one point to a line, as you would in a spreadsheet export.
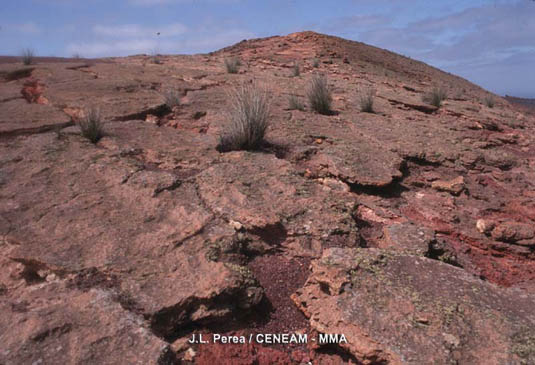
408	230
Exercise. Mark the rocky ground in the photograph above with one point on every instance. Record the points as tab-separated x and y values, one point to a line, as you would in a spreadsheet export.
410	231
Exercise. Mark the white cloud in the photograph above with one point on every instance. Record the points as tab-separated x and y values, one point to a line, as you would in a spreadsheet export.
479	35
490	43
136	30
195	41
113	48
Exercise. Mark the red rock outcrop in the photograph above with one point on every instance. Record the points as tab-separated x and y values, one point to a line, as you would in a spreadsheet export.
33	92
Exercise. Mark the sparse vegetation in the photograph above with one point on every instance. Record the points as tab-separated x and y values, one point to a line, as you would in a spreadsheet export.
248	119
172	98
156	57
366	101
436	96
232	65
91	125
294	103
319	95
489	101
315	63
296	71
28	56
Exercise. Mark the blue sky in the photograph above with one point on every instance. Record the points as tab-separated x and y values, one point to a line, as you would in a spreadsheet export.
491	43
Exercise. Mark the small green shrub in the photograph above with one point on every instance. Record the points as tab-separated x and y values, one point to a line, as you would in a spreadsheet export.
294	103
28	56
315	63
91	125
232	65
436	96
172	98
489	101
319	95
248	119
366	101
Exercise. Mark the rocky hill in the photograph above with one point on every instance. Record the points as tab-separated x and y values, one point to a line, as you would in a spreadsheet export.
410	230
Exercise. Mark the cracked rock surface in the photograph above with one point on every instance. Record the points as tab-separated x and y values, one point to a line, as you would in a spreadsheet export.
410	229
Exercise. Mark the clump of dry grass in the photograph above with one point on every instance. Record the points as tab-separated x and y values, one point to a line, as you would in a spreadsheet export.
436	96
248	119
366	101
172	98
319	95
296	70
294	103
232	65
91	125
28	56
489	101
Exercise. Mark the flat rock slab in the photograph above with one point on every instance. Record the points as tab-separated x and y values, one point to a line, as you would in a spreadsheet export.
264	195
408	237
111	96
121	93
145	228
9	91
358	162
12	72
18	117
397	308
53	324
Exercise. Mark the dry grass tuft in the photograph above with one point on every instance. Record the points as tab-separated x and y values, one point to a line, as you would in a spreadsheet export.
172	98
296	70
248	119
232	65
319	95
489	101
436	96
28	56
91	125
366	101
294	103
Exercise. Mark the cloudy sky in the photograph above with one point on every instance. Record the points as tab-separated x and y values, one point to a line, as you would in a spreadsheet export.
490	42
